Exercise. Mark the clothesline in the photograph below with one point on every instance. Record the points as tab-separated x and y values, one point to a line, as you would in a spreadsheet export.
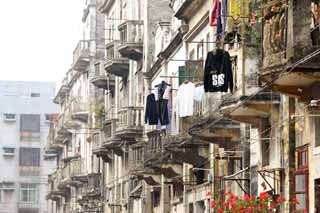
157	21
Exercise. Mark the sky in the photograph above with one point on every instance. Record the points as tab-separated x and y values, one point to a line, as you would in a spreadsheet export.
38	37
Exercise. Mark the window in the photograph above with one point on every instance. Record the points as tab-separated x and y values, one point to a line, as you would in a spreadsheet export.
28	192
29	157
47	117
155	198
69	147
302	159
35	95
8	151
30	123
208	43
9	117
200	50
301	180
317	131
265	142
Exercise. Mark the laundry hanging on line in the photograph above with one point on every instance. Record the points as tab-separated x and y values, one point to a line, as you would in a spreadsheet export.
218	75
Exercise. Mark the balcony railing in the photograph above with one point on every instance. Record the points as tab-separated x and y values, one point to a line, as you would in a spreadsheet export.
102	79
131	39
77	169
66	171
115	63
81	55
79	108
94	183
130	122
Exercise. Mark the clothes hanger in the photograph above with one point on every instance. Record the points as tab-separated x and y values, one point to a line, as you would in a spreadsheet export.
186	81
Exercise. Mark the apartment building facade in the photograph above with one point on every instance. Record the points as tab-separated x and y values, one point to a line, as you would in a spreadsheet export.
258	135
26	111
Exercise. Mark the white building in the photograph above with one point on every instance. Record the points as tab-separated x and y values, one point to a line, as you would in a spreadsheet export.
26	109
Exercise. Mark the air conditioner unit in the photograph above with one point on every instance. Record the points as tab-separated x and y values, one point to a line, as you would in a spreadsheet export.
8	151
9	117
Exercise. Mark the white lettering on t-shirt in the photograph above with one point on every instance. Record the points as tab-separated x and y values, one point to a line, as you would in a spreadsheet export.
218	80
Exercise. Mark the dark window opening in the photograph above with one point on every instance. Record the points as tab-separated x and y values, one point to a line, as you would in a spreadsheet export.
200	176
317	195
155	198
29	157
265	141
9	116
191	210
35	95
30	123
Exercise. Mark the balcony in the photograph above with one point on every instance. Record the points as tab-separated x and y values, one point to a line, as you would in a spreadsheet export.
131	40
52	143
77	171
115	64
80	109
130	122
188	8
102	79
62	93
56	180
260	106
98	149
62	133
50	154
111	142
94	187
136	159
81	56
106	6
286	43
164	154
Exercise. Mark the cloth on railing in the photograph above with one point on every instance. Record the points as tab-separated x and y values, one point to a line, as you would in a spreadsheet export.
185	99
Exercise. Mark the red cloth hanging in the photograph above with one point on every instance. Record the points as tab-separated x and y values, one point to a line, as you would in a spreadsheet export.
214	13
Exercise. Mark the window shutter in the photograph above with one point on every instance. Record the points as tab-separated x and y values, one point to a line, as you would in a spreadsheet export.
182	74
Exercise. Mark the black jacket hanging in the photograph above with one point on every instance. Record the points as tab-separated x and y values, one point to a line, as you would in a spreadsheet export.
218	72
151	114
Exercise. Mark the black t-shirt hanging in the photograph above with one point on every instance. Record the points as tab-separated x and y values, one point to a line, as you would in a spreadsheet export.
218	72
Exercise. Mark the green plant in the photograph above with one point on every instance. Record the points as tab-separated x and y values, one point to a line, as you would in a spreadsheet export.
100	112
